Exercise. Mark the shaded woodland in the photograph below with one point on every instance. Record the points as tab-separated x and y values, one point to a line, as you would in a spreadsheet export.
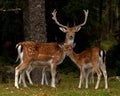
102	27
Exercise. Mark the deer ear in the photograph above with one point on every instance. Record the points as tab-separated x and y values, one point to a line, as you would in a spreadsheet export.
78	29
63	29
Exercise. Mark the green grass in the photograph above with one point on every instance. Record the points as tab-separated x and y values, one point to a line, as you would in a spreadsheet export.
67	87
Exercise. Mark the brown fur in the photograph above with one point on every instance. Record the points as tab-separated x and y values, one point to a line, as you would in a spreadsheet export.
88	60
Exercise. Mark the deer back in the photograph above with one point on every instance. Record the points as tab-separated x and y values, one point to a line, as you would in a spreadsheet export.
33	51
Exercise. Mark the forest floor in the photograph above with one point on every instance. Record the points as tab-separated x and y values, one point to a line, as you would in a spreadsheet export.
67	87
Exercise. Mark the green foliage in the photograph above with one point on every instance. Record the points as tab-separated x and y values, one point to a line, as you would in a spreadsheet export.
108	44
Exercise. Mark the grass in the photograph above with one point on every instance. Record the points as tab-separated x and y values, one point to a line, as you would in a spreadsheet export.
67	87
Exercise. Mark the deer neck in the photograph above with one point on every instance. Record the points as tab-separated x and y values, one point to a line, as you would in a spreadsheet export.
73	56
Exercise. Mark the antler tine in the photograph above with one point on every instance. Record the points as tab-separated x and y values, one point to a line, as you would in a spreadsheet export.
54	14
86	16
55	19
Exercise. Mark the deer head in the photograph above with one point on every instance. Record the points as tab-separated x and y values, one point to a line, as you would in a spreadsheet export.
70	31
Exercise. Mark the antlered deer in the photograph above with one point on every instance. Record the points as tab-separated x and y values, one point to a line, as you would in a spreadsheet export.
90	59
70	31
45	53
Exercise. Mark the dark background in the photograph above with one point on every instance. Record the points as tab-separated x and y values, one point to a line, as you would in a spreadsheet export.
102	28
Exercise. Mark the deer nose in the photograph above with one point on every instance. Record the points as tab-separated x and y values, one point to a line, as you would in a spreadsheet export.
71	37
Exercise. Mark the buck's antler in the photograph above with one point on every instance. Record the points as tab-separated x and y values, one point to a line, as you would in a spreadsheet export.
55	19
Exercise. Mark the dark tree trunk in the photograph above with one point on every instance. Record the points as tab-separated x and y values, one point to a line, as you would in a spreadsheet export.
100	23
35	28
34	21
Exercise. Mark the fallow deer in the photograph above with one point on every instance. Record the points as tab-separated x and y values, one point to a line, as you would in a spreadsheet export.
43	53
70	31
89	59
46	53
45	68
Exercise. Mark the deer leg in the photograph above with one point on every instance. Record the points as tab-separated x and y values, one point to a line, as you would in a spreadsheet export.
43	76
28	71
86	81
20	79
57	77
86	78
53	73
28	76
16	77
23	78
103	68
19	69
81	78
46	81
99	77
92	76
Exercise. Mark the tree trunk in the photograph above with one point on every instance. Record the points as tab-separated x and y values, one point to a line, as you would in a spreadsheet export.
35	28
34	21
109	27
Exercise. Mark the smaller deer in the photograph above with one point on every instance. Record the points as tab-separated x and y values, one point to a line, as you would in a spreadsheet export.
90	59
